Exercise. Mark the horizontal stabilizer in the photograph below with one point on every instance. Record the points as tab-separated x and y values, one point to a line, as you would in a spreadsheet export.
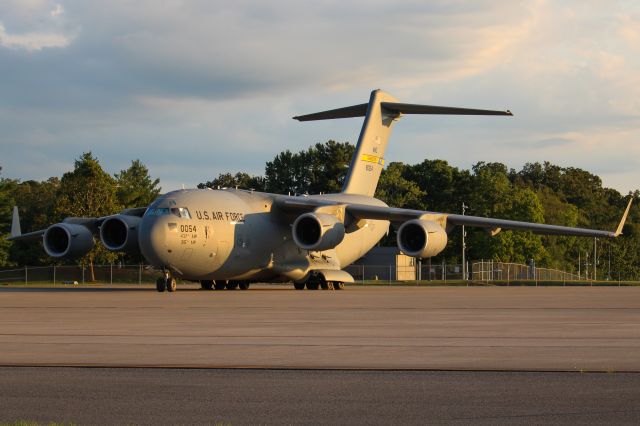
434	109
346	112
395	108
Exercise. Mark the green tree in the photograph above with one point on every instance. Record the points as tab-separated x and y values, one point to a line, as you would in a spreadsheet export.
493	195
239	180
321	168
37	205
7	188
88	191
397	191
135	186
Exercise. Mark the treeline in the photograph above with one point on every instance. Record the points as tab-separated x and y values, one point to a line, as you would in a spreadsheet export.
538	193
86	191
543	193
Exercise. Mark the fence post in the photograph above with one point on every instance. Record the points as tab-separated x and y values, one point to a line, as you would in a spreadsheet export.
140	274
26	280
111	273
390	274
54	274
82	274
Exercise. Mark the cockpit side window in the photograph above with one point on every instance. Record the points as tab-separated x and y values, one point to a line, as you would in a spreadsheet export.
158	211
182	212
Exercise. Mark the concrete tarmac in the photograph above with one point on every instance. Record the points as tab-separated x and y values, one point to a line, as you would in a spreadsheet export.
210	396
415	328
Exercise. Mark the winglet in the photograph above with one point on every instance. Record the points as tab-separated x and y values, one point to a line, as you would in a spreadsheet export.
624	219
15	223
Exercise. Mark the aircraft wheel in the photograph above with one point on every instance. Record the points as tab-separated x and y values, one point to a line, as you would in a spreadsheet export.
244	285
161	284
312	285
232	285
338	285
326	285
206	284
221	285
298	286
171	285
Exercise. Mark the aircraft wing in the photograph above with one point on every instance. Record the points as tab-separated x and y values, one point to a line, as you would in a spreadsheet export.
91	223
363	211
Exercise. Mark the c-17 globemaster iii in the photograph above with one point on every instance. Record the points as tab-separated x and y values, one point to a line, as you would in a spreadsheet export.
229	238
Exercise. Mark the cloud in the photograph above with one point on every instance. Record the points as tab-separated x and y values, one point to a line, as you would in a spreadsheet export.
57	10
32	41
195	88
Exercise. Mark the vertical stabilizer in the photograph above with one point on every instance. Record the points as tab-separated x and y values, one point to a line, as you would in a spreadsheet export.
368	159
379	115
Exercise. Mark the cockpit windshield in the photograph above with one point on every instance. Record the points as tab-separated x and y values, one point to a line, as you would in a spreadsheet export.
182	212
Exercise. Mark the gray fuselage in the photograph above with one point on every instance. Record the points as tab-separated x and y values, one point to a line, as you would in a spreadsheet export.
203	234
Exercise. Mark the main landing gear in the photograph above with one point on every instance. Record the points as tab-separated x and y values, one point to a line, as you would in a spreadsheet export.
166	282
317	281
223	284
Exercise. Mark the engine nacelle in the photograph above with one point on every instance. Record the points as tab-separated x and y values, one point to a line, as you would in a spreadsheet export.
421	238
120	232
317	231
67	240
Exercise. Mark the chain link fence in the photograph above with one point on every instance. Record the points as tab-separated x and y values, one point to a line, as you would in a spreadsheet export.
71	274
482	271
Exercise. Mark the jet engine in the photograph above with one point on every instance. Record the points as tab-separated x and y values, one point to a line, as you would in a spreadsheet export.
67	240
317	231
120	232
421	238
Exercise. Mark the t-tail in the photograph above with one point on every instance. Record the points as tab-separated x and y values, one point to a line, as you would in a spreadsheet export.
379	114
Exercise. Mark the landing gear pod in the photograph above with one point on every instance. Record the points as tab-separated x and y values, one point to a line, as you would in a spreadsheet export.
67	240
421	238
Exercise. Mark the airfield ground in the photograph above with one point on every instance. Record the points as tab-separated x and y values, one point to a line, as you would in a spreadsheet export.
477	354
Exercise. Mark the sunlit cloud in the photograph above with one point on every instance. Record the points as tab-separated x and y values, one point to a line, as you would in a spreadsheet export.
32	41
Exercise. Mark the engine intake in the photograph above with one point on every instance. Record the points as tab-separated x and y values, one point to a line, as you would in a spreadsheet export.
317	231
421	238
67	240
120	232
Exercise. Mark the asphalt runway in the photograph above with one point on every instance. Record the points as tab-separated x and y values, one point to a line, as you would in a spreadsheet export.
440	328
210	396
366	355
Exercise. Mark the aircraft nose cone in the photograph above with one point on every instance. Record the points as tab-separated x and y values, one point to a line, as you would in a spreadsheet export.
153	240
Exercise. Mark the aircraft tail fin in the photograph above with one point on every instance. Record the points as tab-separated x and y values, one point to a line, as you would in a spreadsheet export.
379	114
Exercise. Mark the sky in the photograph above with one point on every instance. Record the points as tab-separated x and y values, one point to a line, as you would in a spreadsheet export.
197	88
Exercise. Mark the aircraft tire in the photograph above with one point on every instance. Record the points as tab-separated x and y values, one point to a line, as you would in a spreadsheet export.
298	286
220	285
161	285
244	285
232	285
326	285
312	285
171	285
206	284
338	285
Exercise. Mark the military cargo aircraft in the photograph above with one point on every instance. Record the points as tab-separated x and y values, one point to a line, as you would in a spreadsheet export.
230	238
